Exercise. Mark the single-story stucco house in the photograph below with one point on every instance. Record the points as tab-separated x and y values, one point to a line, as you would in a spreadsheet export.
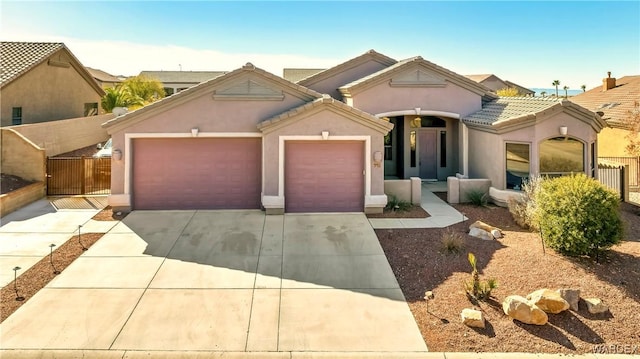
251	139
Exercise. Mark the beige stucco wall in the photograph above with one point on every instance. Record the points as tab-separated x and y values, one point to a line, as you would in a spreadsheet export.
47	93
205	113
612	142
21	157
383	98
487	150
57	137
313	124
330	85
494	83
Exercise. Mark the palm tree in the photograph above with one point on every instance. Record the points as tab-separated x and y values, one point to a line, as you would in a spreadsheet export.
556	83
119	96
543	93
566	93
584	88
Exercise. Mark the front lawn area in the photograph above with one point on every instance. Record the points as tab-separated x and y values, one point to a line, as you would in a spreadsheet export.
520	266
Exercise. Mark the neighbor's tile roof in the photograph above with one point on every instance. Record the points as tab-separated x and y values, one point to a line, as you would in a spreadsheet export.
614	103
297	74
507	108
194	77
17	58
102	75
479	78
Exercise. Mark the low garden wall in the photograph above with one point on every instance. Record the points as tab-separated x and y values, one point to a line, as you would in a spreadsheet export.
408	190
13	200
459	188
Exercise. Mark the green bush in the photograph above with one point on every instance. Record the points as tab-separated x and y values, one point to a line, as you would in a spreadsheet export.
477	197
395	204
577	215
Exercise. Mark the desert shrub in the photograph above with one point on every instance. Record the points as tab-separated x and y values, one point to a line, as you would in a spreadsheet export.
523	209
477	197
395	204
452	242
475	288
577	215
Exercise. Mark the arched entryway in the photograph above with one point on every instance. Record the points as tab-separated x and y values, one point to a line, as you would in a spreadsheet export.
422	144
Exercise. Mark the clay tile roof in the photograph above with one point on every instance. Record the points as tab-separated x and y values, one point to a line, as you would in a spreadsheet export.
102	75
507	108
17	58
478	78
614	103
194	77
297	74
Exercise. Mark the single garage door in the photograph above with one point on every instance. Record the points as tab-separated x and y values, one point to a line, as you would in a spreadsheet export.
197	173
324	176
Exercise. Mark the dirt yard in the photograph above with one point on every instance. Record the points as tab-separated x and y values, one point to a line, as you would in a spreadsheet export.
10	183
520	265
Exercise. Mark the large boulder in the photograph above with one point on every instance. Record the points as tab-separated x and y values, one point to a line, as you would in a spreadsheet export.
472	318
548	300
572	296
596	306
520	309
481	233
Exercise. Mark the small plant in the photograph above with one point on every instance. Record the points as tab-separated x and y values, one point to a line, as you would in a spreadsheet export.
452	242
477	197
395	204
523	209
476	289
578	215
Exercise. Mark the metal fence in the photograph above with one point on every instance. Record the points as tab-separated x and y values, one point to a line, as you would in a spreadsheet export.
633	164
612	175
78	176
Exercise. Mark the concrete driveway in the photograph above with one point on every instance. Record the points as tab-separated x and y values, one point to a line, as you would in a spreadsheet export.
223	281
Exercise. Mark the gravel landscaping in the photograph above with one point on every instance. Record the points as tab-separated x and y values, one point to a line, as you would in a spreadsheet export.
520	265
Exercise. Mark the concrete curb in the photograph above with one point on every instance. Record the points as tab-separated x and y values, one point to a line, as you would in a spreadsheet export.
134	354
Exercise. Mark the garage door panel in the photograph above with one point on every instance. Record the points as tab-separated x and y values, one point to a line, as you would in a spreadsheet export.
324	176
197	173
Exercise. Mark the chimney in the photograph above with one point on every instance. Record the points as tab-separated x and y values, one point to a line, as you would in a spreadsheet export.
609	82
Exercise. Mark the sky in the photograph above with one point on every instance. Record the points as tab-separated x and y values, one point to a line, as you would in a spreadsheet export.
530	43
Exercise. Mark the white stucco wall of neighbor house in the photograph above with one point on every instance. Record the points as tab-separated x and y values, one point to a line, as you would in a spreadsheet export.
487	150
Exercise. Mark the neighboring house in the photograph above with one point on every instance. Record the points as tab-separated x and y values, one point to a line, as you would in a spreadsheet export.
297	74
176	81
615	98
250	139
104	79
495	83
44	82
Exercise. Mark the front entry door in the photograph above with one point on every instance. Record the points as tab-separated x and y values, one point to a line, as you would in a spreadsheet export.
428	154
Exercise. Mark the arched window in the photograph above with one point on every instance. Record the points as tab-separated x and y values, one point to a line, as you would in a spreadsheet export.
428	121
560	156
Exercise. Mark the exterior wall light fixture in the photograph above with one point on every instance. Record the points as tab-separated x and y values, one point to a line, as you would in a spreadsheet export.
377	159
563	130
325	135
117	155
194	132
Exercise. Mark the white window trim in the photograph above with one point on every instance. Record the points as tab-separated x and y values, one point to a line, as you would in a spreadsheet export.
128	145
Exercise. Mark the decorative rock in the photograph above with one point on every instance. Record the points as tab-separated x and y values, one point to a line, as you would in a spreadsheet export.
428	295
548	300
572	296
595	305
484	226
472	318
519	308
496	234
480	233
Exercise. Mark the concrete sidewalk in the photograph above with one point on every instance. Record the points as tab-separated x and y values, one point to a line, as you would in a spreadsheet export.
129	354
25	235
441	213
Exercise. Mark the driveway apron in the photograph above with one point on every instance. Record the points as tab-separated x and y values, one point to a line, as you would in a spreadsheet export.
223	281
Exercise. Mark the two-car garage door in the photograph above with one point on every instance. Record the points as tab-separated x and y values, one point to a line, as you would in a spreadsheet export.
225	173
197	173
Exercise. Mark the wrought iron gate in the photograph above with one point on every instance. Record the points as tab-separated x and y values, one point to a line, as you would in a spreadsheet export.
78	176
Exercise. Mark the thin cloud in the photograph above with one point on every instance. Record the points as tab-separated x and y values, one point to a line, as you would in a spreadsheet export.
129	58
